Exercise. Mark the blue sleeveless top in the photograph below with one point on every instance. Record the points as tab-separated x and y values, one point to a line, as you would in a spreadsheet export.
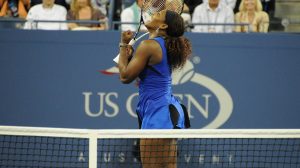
155	95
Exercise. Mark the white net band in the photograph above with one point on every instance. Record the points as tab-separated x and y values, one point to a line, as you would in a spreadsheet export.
59	147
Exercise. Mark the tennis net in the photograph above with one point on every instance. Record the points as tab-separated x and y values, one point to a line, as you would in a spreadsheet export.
59	147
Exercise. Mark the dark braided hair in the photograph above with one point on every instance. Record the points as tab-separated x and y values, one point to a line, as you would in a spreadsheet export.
178	47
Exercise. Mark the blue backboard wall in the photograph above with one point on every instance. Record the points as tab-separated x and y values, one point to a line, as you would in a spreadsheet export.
52	79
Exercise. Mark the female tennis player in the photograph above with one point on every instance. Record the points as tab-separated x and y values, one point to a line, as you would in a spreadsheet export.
153	63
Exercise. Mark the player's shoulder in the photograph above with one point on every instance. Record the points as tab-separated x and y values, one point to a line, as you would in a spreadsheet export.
149	46
149	43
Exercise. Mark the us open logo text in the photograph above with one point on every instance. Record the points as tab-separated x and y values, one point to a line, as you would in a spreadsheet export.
197	103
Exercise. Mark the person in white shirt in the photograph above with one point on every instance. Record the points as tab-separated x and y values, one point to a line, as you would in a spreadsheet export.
212	12
230	3
132	14
46	11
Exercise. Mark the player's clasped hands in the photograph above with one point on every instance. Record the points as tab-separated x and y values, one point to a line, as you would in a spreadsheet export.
126	36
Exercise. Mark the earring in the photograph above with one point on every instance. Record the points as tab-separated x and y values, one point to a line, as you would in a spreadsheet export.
157	30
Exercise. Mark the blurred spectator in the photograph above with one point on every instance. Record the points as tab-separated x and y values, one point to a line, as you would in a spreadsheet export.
101	5
230	3
58	2
213	12
186	17
250	11
267	6
192	4
14	8
46	11
132	14
83	10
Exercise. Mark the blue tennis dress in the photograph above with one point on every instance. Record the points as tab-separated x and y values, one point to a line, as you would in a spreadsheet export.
155	95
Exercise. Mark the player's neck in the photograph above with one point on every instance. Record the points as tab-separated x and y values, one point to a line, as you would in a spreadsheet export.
156	33
152	35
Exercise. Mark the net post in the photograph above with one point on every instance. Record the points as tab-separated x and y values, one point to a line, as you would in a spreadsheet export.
93	150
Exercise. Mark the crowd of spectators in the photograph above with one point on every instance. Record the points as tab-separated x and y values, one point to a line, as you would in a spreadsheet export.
56	14
214	16
46	11
219	17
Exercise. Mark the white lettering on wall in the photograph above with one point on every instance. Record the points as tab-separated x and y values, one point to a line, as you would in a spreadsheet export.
192	102
107	100
129	105
104	99
114	106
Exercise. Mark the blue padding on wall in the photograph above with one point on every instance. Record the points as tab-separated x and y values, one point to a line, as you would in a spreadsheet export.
52	78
